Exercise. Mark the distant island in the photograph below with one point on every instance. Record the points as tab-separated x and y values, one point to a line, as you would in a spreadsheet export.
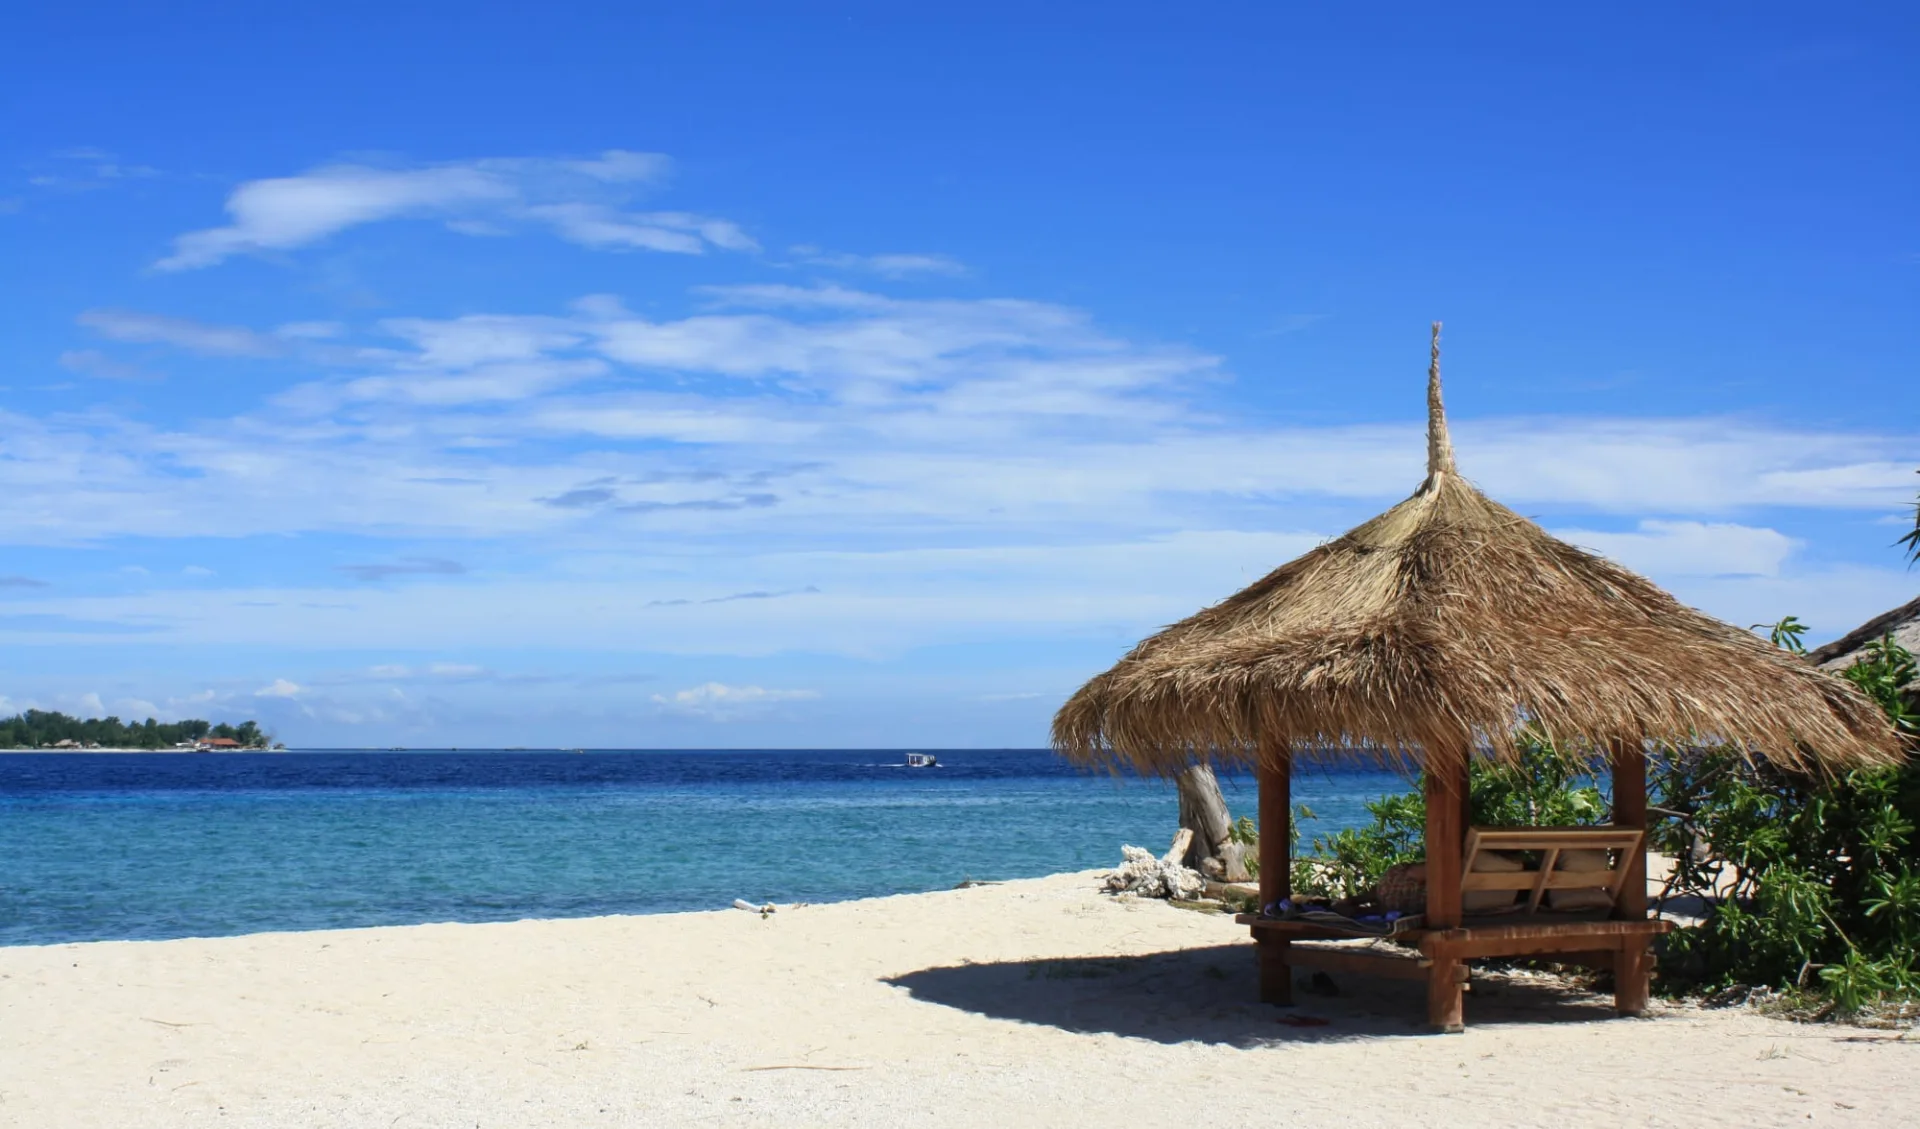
45	729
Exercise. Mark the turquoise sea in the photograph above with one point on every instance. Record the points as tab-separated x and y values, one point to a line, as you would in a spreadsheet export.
118	846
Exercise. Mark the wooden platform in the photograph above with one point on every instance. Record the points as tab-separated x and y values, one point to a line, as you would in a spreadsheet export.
1618	935
1440	956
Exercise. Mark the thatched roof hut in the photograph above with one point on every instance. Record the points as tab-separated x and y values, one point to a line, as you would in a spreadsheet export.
1438	629
1903	623
1441	626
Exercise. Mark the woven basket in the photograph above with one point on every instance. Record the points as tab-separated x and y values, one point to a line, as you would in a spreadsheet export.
1403	888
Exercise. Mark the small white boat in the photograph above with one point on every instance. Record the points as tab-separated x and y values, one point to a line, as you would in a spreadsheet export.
922	760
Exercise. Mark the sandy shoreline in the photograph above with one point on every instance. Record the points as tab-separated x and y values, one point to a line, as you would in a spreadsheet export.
1030	1003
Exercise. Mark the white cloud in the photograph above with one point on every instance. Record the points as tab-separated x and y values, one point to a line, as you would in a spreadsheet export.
779	469
287	212
456	670
577	200
1691	548
615	166
677	600
886	265
1685	465
193	336
1831	601
833	415
478	339
719	701
593	225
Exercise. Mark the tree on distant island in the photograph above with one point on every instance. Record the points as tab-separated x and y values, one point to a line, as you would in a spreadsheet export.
41	729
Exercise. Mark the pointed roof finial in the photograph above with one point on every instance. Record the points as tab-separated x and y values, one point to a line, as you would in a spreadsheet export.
1439	447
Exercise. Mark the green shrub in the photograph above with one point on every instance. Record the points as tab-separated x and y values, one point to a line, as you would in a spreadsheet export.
1806	881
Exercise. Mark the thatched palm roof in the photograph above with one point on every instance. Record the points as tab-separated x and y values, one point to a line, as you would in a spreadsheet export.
1442	626
1903	623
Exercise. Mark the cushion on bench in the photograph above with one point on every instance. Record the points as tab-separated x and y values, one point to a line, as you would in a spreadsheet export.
1492	901
1593	862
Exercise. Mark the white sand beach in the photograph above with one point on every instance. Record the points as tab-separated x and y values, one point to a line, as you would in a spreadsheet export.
1030	1003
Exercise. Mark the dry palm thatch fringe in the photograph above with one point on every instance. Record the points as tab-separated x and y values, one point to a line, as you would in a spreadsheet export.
1445	625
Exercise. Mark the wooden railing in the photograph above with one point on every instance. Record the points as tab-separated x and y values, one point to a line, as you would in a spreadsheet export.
1550	843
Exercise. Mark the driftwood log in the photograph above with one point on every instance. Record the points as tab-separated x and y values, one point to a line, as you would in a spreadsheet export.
1203	810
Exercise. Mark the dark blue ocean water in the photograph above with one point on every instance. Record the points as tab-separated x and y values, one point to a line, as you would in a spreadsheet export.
108	847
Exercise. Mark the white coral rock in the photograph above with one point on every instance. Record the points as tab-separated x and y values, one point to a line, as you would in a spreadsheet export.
1142	874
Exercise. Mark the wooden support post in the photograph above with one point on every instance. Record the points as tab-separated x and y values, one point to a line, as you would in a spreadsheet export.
1446	780
1446	1005
1276	970
1276	826
1446	835
1466	812
1632	974
1633	971
1275	775
1630	810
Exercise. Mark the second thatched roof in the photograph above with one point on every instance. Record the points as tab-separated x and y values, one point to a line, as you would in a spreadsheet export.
1903	623
1443	625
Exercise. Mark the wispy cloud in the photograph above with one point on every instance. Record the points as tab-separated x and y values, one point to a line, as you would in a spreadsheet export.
600	227
702	505
578	200
886	265
832	415
846	470
182	333
411	566
84	168
718	701
681	602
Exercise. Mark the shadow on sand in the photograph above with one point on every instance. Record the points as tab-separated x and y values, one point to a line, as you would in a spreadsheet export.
1209	995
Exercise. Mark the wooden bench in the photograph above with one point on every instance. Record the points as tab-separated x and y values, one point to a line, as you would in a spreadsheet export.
1615	937
1550	843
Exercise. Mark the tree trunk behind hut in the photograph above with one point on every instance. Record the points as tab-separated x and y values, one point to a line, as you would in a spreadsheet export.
1203	810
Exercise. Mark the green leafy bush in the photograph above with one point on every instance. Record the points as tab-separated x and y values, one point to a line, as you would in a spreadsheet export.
1805	882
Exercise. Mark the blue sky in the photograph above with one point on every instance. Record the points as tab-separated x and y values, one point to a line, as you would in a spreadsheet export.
847	374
